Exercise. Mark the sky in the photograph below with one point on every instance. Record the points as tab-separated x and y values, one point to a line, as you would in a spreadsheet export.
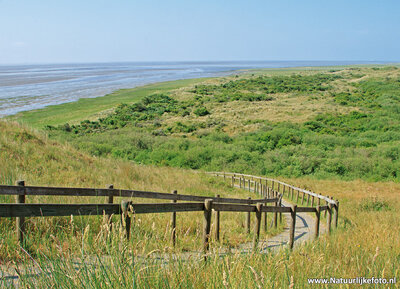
49	31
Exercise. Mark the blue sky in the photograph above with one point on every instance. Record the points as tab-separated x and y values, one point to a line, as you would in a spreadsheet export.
44	31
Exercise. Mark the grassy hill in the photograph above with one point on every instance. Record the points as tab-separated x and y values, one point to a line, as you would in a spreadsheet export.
29	155
364	245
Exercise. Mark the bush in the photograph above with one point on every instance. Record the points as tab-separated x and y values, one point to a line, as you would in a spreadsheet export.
201	111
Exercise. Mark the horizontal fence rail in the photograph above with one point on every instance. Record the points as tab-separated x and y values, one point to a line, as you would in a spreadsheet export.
53	210
88	192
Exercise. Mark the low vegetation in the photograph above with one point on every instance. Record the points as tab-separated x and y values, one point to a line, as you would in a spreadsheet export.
358	137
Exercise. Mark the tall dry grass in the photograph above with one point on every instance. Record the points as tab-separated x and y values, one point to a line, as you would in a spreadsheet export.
365	244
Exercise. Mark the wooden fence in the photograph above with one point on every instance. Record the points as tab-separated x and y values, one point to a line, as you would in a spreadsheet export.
20	209
264	186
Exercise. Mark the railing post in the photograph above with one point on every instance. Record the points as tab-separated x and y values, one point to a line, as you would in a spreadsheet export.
217	220
248	219
275	214
292	226
302	199
125	214
312	201
265	219
249	185
297	199
280	205
173	222
240	182
335	222
326	211
257	225
233	181
329	219
207	226
110	200
20	221
317	221
308	200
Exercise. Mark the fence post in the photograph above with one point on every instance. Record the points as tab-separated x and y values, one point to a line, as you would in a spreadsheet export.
329	220
280	205
20	221
312	201
292	226
217	219
265	219
308	200
110	201
318	218
276	214
302	199
248	219
249	185
125	214
257	225
173	222
335	222
207	226
326	211
233	181
297	199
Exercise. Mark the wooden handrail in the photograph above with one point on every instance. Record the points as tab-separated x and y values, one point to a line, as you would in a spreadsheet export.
80	192
47	210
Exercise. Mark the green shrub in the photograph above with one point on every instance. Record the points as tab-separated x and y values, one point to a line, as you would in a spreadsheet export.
201	111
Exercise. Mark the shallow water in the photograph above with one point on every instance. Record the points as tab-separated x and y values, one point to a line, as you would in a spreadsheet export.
27	87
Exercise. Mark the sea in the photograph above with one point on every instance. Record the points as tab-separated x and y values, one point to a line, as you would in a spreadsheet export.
28	87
